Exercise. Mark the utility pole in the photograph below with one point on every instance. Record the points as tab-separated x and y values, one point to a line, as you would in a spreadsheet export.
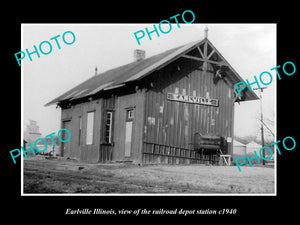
261	122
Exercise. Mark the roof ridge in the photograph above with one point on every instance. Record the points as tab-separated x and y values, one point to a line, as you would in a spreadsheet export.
129	72
137	62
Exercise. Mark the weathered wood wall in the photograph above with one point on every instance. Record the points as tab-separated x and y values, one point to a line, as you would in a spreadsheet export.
123	102
171	125
163	130
99	151
82	151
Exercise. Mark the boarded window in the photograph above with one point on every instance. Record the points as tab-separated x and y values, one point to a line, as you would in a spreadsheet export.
90	128
79	131
108	127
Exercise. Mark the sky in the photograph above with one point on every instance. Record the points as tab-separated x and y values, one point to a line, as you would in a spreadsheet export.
249	48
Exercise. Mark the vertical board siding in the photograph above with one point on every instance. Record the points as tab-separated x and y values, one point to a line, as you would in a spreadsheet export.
170	126
82	151
123	102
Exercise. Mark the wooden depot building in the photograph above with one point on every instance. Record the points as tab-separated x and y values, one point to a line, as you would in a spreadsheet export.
176	107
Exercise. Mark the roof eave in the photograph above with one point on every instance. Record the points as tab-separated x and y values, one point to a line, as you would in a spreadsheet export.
156	66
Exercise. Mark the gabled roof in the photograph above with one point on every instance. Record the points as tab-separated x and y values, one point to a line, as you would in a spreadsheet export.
119	76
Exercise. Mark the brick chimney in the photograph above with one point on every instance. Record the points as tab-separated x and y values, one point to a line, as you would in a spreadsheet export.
139	55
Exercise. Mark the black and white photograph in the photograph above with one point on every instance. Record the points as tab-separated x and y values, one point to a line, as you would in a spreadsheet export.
145	109
130	113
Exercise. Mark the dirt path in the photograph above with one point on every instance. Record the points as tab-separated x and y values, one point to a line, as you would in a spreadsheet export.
64	176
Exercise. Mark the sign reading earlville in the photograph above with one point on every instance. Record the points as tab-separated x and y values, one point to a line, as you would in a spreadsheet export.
192	99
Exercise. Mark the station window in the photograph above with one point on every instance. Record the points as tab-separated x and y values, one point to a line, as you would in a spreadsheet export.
90	128
80	128
129	114
108	133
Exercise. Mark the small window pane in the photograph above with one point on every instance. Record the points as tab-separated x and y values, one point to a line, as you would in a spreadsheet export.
108	128
129	114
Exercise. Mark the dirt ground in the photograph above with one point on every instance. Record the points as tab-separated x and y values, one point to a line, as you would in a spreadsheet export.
42	175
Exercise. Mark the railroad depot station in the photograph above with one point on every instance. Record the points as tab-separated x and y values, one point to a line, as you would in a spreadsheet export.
176	107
